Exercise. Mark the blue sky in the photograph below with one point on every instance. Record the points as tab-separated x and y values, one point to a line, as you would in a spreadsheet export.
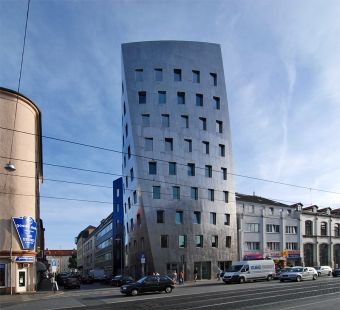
282	69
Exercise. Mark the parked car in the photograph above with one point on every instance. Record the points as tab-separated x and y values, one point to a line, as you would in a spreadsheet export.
105	279
280	271
299	273
61	278
72	282
149	284
121	280
87	280
323	270
336	272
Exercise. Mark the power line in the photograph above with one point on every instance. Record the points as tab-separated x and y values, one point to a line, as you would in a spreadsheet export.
161	160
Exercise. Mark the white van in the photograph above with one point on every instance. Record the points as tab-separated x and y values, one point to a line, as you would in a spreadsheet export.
250	270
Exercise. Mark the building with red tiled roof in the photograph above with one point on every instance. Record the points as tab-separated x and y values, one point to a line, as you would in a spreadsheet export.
61	257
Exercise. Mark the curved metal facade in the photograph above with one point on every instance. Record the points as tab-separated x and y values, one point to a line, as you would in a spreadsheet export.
175	110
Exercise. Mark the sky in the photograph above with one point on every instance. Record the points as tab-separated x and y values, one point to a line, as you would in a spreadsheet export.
282	70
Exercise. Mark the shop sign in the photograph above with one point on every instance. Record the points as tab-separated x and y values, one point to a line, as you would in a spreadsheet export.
275	254
27	229
253	256
294	254
25	259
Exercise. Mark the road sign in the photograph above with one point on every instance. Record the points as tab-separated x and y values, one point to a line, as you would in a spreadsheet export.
142	258
54	266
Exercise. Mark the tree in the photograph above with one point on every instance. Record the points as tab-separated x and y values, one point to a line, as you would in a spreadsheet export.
73	260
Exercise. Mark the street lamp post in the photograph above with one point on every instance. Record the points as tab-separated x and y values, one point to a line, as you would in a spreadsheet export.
121	255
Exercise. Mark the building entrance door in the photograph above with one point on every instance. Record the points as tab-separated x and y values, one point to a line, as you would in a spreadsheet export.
22	280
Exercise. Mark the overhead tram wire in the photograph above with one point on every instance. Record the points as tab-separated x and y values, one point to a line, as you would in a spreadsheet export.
161	160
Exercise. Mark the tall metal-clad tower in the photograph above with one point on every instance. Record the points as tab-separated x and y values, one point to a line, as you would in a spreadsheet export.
179	201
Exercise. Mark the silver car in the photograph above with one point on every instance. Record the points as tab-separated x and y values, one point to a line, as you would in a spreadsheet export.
299	273
323	270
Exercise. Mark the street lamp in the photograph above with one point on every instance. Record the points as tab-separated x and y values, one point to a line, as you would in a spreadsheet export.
121	255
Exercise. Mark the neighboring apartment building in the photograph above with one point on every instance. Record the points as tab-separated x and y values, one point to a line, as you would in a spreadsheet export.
20	178
289	234
79	241
61	257
179	204
88	254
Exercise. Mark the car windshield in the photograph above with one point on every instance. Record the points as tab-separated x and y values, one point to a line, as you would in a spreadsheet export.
235	268
297	269
141	280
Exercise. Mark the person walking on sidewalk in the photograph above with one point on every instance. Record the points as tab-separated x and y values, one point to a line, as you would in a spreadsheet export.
195	274
218	274
181	277
174	276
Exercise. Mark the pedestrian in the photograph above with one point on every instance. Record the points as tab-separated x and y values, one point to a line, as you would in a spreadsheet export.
195	274
181	277
54	285
174	276
218	274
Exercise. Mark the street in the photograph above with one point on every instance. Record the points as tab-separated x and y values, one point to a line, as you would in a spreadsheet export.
322	293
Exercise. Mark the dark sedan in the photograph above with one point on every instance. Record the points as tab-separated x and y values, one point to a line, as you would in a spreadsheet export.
72	282
87	280
336	272
149	284
121	280
105	279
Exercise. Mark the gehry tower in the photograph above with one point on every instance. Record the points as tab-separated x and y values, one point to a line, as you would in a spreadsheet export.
179	195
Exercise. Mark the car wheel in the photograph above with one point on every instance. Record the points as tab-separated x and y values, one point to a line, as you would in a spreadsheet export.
319	274
282	280
269	278
315	277
298	279
329	274
241	280
134	292
168	289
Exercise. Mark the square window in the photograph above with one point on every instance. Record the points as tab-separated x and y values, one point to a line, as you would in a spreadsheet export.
185	121
227	219
191	170
152	168
187	145
199	100
148	144
172	168
179	217
182	241
208	171
194	193
158	75
228	242
219	126
271	211
199	241
156	192
181	98
139	75
226	196
141	97
165	120
195	76
177	75
203	123
161	97
146	120
221	149
251	209
211	194
197	217
205	147
164	241
224	173
213	79
168	144
160	217
214	241
213	218
175	192
216	103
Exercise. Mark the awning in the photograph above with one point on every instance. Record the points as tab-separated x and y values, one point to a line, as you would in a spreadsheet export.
40	266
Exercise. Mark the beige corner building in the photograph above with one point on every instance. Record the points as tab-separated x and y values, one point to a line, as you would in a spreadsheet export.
21	173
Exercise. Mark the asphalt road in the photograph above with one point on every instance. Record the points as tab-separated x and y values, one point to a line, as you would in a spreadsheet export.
313	295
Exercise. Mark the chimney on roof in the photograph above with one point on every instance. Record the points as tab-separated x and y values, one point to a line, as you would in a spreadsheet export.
254	194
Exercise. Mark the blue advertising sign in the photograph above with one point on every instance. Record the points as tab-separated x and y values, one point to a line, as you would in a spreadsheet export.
25	259
27	230
54	263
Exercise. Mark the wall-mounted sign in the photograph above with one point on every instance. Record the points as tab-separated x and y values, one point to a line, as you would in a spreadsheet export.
25	259
253	256
27	230
142	258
